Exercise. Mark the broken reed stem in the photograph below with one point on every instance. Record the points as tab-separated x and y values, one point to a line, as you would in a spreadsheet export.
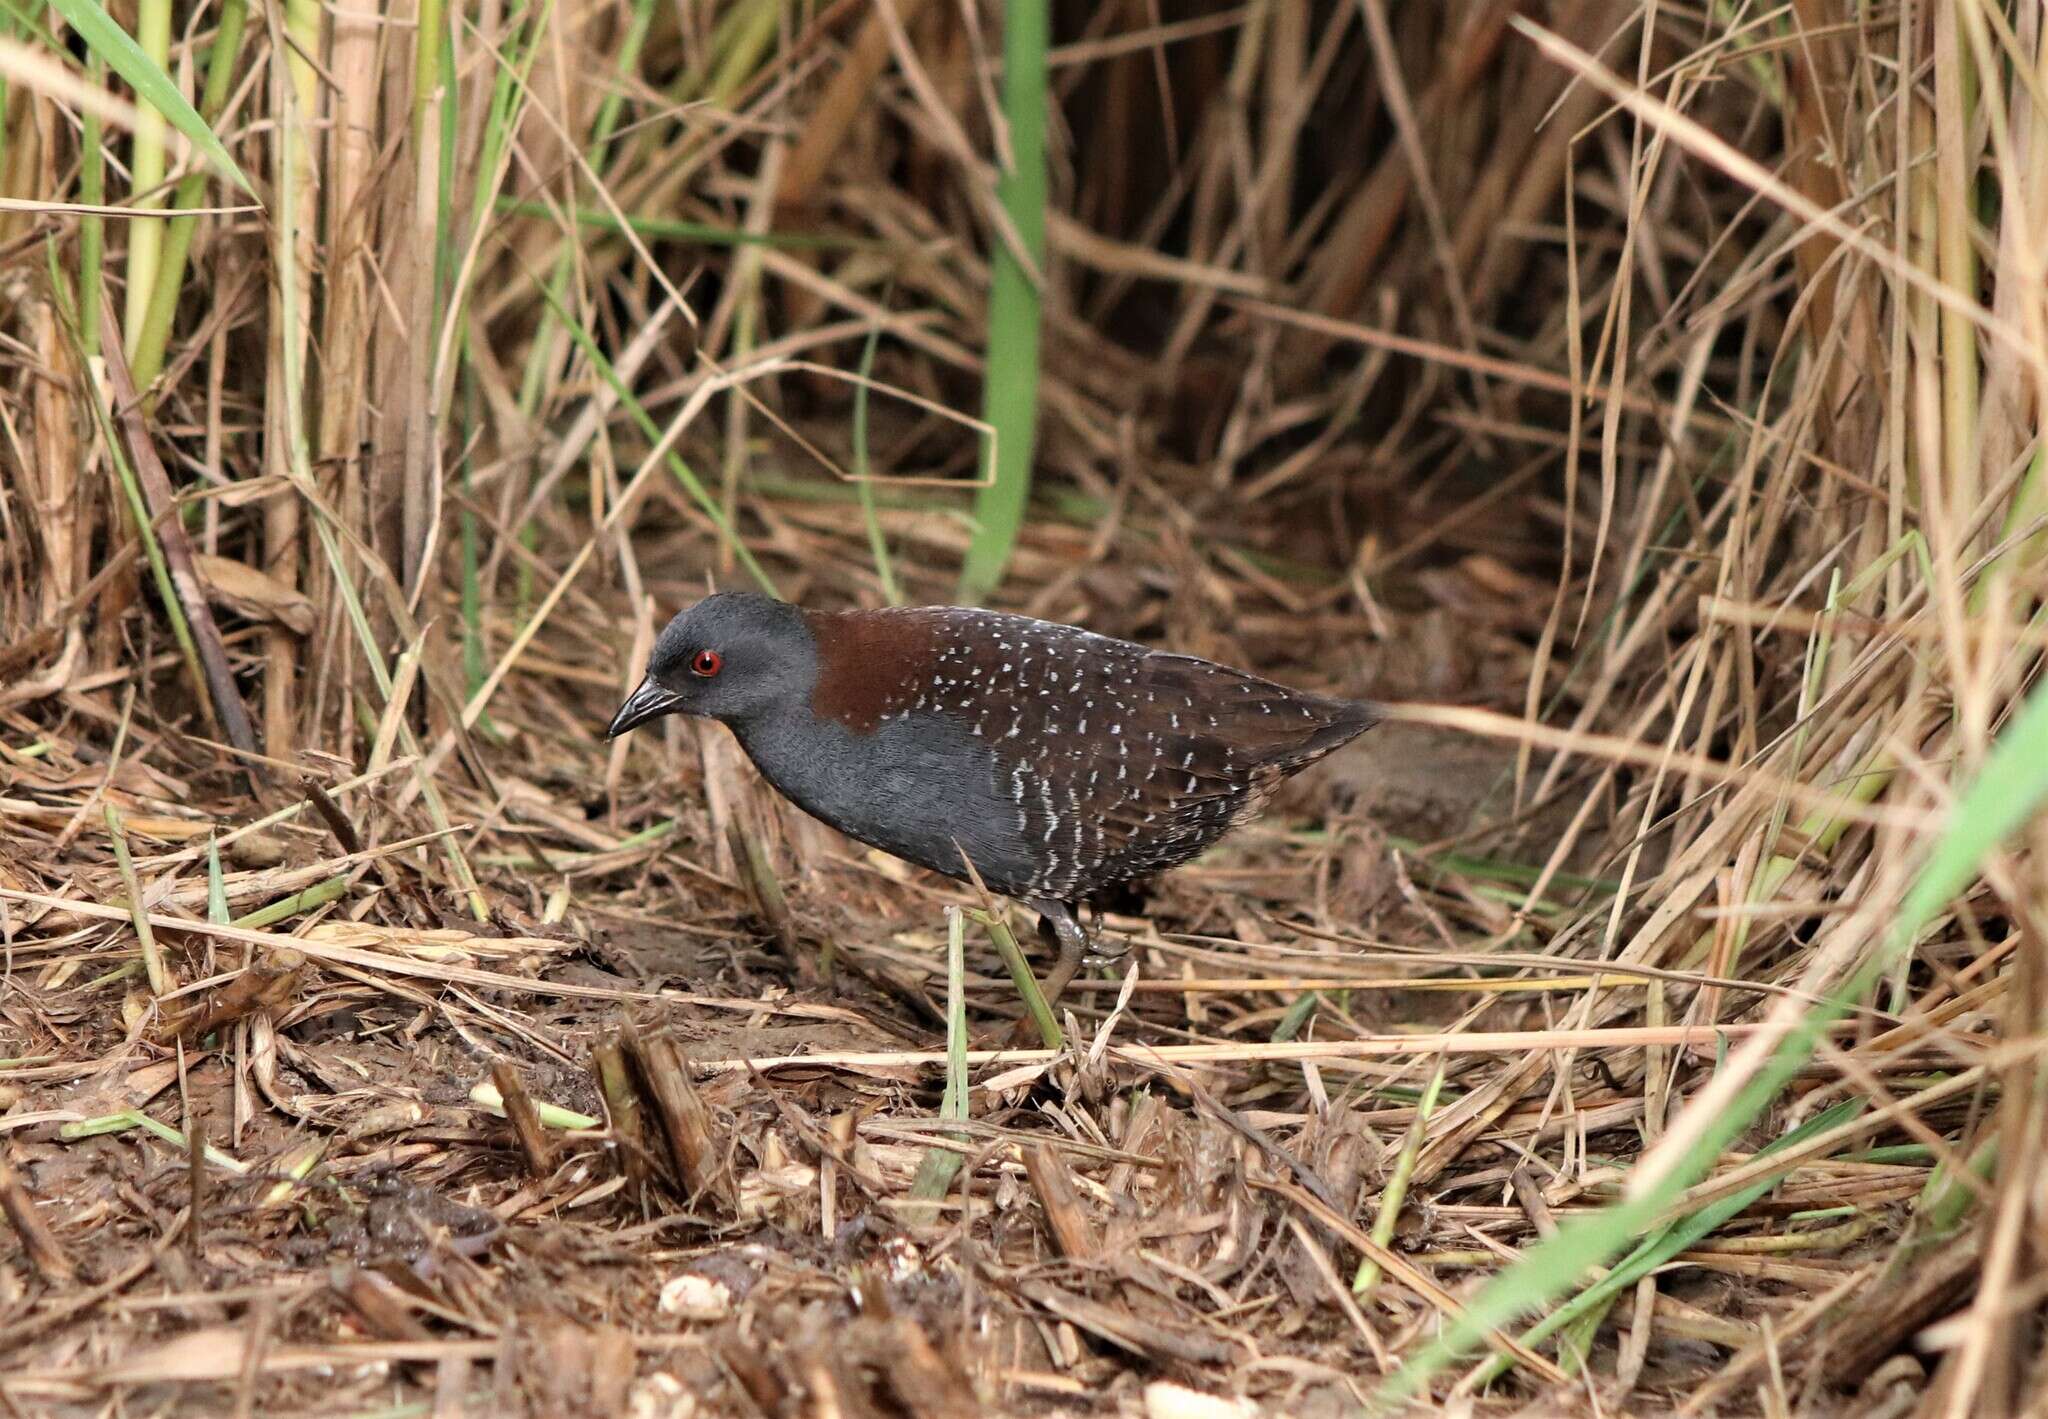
622	1102
92	185
1064	1213
524	1118
160	983
155	505
685	1121
295	98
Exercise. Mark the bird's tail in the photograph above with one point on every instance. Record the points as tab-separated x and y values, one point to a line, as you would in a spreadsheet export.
1344	721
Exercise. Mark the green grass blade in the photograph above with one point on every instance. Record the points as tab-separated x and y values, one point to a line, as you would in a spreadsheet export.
1653	1251
1010	398
151	84
1296	1016
2010	788
441	55
474	658
1035	1003
1395	1194
284	908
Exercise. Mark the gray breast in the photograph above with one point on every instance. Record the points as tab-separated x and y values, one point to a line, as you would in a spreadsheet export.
919	786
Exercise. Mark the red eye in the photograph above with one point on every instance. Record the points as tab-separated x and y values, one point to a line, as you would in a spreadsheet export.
706	663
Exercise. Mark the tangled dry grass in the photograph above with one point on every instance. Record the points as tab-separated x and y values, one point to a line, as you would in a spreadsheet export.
1645	399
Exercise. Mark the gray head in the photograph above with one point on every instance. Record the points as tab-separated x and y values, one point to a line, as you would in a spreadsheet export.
731	657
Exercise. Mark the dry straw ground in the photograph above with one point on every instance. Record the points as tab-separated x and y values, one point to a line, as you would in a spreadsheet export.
1645	397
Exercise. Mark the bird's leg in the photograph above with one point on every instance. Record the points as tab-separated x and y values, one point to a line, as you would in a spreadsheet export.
1056	923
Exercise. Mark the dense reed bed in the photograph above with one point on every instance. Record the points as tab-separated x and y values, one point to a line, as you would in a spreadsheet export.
1645	400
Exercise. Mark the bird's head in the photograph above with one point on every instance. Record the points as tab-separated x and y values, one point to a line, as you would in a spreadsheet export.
733	657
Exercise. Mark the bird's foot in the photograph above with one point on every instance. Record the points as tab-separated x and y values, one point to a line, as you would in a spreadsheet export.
1104	949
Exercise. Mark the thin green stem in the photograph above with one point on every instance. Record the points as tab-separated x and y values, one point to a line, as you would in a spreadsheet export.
155	333
1010	397
92	229
146	176
863	473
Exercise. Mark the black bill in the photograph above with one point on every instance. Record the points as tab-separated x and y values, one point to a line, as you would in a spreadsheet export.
650	701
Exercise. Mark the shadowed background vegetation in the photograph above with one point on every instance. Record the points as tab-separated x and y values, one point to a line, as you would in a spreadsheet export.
1645	399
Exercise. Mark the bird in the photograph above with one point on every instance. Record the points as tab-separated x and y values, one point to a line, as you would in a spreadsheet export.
1059	763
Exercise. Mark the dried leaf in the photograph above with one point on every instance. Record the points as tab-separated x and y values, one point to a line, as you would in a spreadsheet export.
215	1353
255	594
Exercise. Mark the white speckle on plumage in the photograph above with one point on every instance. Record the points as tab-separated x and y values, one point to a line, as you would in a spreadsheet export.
1080	821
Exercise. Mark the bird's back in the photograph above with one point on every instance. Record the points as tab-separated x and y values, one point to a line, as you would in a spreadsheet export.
1081	761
